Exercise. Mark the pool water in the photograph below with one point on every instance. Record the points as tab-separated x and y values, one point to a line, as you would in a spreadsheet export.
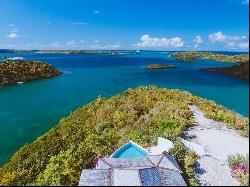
129	151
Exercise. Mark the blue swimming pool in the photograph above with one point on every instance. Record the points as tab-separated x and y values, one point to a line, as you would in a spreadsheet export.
129	151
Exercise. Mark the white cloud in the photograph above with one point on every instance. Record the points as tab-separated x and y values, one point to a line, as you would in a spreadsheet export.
97	45
80	23
105	46
220	37
13	32
12	35
149	42
82	41
197	41
231	42
233	45
176	42
217	37
244	45
97	12
72	43
55	45
236	38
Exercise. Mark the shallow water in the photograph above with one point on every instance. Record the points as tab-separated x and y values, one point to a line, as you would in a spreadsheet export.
28	110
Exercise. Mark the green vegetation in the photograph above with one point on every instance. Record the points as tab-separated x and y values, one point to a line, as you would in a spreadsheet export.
23	71
159	66
239	166
187	59
240	71
187	160
193	56
189	165
97	129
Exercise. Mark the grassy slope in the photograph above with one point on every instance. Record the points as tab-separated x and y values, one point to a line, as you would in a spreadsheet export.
97	129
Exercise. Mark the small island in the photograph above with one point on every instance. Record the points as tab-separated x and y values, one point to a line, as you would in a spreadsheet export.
159	66
218	57
240	71
21	71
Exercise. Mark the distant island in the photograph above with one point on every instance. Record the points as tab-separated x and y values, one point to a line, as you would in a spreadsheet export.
21	71
112	52
159	66
195	56
240	71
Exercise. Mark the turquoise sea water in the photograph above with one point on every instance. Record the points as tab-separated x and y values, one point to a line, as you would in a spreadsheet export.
29	110
129	151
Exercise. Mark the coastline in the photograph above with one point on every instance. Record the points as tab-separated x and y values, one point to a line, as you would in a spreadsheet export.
74	122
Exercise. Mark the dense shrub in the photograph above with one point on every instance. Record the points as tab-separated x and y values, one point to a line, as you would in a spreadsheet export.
187	160
23	71
239	166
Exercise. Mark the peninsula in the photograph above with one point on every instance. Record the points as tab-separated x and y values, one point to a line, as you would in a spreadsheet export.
240	71
99	128
194	56
21	71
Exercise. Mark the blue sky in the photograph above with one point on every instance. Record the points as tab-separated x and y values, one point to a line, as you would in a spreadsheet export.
129	24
